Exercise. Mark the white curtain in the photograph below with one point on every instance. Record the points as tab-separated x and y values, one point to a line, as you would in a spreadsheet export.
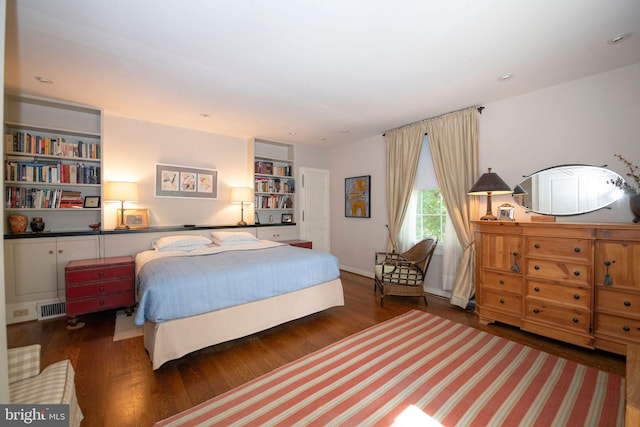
453	140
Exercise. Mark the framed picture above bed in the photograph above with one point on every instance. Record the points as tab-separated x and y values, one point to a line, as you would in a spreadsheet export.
185	181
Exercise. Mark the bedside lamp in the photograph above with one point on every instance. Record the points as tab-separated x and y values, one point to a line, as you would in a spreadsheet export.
488	184
121	192
242	195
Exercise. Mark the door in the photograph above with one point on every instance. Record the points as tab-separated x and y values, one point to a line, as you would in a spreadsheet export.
315	208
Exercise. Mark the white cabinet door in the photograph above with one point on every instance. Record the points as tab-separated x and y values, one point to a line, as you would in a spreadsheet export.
34	268
30	269
285	232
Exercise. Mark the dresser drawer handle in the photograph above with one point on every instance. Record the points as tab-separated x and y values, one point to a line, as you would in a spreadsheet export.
576	273
535	310
501	301
50	252
576	296
537	246
501	281
100	273
537	289
536	267
575	320
101	288
626	328
576	250
627	303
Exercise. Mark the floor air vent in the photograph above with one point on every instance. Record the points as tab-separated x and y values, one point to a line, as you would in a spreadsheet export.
50	310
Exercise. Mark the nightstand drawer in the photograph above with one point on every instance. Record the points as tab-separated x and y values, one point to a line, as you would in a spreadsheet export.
91	305
98	273
100	288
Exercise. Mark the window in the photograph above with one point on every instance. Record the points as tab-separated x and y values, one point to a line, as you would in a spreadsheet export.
431	214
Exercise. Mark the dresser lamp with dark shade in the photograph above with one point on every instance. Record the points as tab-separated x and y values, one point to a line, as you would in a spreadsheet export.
242	195
488	184
115	191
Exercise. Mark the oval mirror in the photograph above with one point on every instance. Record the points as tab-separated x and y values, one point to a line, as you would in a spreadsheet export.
567	190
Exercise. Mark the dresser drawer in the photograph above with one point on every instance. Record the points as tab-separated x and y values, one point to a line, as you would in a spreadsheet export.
578	249
505	302
570	295
502	282
620	327
83	275
623	303
559	316
90	305
558	270
96	289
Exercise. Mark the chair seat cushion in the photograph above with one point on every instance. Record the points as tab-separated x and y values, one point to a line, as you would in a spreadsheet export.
53	385
401	275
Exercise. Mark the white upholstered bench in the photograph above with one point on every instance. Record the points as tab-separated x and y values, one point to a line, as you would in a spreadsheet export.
54	385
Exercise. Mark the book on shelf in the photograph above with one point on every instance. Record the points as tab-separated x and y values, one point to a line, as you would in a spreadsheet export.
24	142
51	172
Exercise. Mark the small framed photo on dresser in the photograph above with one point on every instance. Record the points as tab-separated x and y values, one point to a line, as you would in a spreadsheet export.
287	217
505	212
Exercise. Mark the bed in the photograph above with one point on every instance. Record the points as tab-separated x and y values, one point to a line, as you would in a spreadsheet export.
194	292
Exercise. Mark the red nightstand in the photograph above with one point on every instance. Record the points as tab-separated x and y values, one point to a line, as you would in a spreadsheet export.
99	284
299	243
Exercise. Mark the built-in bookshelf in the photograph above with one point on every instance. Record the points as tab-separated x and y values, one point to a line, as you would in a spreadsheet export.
52	162
274	182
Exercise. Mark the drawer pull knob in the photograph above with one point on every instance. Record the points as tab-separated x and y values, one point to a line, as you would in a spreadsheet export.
101	288
535	310
537	246
575	320
576	296
50	252
576	250
101	273
607	278
60	251
537	289
101	302
626	328
501	281
536	267
627	303
501	301
515	267
576	273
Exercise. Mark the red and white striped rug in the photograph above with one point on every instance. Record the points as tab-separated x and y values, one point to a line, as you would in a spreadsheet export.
418	369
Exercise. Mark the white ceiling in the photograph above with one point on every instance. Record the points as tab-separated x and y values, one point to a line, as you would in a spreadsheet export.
331	71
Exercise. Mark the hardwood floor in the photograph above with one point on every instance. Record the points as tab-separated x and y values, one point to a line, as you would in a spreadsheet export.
117	387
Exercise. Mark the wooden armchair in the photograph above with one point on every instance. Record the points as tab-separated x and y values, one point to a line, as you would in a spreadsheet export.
403	274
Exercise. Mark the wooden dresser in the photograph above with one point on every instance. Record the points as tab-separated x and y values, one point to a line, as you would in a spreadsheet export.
99	284
578	283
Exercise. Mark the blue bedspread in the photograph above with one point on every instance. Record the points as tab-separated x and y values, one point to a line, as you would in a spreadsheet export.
182	286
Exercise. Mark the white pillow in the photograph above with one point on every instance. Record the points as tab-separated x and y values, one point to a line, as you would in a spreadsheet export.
172	243
232	237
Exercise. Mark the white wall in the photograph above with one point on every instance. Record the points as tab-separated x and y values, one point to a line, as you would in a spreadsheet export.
584	121
132	148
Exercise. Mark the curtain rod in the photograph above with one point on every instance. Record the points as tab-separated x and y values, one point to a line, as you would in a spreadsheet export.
480	108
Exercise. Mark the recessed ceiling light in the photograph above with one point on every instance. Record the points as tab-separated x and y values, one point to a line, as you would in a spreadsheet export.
505	77
619	38
44	80
205	114
292	133
344	130
322	138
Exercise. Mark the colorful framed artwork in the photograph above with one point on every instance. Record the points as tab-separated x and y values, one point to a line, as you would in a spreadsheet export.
357	197
185	181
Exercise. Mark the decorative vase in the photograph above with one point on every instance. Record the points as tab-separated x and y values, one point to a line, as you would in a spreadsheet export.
18	223
37	224
634	204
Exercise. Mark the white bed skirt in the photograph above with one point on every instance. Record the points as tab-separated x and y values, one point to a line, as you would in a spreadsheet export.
173	339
